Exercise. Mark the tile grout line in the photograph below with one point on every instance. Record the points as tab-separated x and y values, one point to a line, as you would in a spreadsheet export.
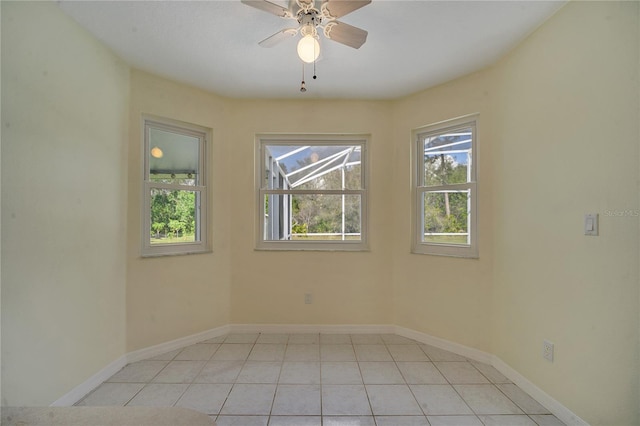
188	383
407	383
456	390
244	363
448	383
495	385
195	376
150	381
275	392
145	384
490	382
514	402
200	372
232	384
386	348
355	354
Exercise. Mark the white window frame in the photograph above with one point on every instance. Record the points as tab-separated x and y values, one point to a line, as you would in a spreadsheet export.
201	245
419	189
261	141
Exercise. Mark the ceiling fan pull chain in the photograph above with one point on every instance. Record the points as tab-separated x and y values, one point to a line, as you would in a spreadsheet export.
302	86
314	62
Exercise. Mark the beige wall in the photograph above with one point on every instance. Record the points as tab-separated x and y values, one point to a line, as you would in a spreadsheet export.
175	296
566	143
443	296
347	288
64	127
171	297
558	138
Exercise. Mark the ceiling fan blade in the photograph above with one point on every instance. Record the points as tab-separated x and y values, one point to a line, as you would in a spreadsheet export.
278	37
337	8
345	34
269	7
304	4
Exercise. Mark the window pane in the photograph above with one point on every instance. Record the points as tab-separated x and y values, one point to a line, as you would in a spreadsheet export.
312	167
276	217
446	216
174	216
315	217
447	157
275	176
173	157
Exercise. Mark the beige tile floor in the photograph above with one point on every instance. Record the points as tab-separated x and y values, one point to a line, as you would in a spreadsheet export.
324	380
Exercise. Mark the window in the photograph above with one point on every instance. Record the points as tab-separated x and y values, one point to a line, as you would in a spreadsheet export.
311	192
175	195
445	196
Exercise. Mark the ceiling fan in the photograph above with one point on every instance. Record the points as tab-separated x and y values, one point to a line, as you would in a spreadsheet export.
310	19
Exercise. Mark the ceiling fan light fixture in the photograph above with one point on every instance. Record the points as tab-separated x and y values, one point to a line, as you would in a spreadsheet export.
308	48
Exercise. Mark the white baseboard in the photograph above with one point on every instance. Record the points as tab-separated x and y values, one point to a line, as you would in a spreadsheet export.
456	348
79	392
555	407
313	328
172	345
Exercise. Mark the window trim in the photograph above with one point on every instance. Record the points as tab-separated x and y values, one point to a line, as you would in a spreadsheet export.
263	139
417	216
204	136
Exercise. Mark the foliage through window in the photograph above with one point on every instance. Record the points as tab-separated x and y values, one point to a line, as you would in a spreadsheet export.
445	189
312	193
174	188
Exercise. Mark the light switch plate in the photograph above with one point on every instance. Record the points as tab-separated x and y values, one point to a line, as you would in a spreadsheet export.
591	224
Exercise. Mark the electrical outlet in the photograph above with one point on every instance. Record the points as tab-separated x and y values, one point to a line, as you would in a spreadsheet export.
547	350
308	298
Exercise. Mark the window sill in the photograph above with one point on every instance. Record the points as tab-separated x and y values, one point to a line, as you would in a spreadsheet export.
295	246
175	253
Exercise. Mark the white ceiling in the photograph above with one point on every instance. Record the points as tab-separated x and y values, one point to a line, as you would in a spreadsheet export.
412	44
